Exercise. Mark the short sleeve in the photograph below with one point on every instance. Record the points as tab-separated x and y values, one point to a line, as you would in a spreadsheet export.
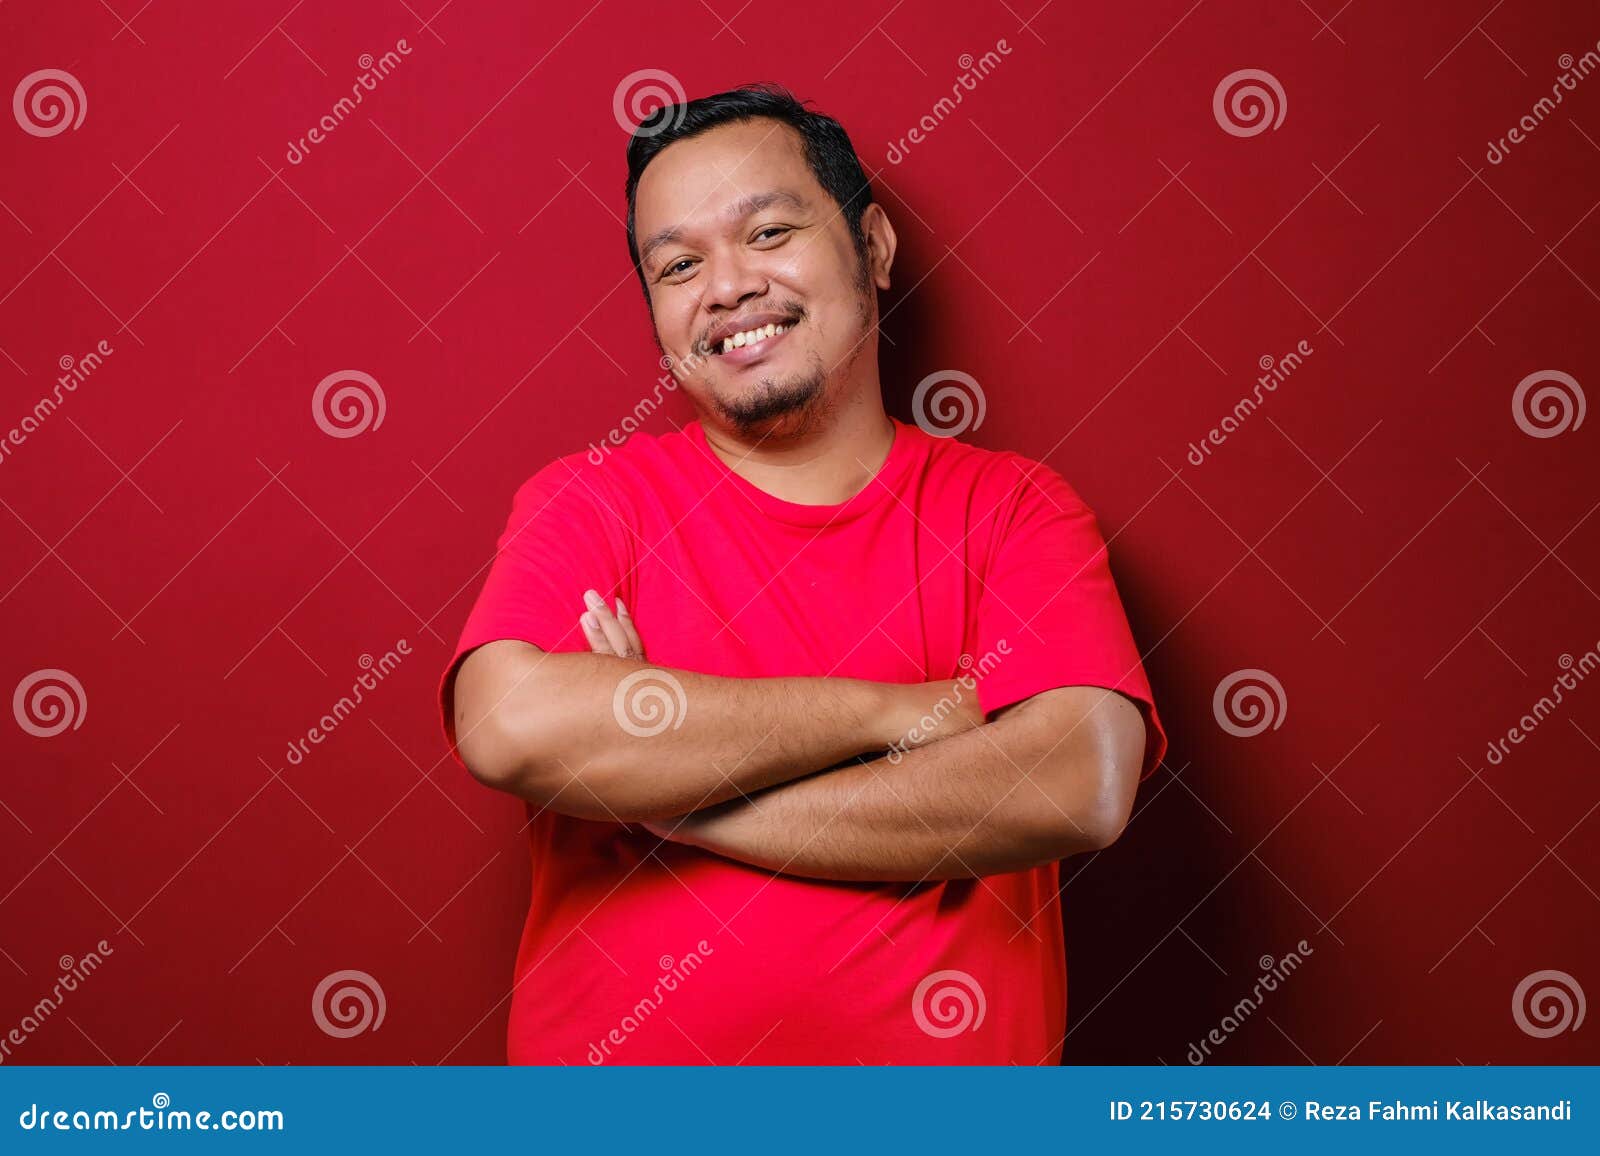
565	535
1049	614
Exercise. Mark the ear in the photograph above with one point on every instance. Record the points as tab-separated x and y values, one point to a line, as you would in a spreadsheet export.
881	243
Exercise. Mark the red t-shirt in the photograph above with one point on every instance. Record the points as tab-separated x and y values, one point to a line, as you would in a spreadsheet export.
953	559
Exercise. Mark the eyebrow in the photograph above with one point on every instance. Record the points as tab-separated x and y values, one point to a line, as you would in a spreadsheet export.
738	211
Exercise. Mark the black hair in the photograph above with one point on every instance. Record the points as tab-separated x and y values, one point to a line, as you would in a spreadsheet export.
827	147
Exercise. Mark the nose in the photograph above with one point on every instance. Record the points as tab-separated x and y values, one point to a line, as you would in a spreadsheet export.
731	280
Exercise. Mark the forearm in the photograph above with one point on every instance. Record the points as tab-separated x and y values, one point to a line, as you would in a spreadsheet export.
1010	795
602	737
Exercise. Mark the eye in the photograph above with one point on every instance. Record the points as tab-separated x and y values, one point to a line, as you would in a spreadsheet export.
674	268
771	229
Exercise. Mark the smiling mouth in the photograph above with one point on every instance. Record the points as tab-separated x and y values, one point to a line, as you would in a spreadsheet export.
751	339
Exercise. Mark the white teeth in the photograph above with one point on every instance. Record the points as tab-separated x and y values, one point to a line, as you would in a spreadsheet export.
751	336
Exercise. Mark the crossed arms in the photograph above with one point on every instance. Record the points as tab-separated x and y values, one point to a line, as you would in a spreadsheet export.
829	778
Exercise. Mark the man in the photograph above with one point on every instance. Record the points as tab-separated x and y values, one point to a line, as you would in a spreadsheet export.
806	702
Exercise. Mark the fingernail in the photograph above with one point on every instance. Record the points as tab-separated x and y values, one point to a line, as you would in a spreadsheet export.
593	599
621	609
590	621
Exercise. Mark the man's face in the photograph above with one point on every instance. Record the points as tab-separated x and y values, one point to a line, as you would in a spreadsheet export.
752	241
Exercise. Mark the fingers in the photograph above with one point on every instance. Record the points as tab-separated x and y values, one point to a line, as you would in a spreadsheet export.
592	632
625	620
615	636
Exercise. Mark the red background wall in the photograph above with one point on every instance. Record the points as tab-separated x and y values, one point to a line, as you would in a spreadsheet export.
1081	235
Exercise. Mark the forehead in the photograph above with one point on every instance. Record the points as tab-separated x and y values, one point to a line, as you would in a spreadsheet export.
691	183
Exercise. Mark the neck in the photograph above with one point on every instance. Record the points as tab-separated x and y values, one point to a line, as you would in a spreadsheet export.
827	463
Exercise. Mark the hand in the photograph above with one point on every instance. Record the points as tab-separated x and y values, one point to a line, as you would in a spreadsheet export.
609	633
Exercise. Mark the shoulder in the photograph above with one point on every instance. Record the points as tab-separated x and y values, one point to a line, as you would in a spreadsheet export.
1002	480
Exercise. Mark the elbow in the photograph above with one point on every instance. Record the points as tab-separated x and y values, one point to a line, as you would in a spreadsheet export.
1090	813
1102	826
528	755
495	751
